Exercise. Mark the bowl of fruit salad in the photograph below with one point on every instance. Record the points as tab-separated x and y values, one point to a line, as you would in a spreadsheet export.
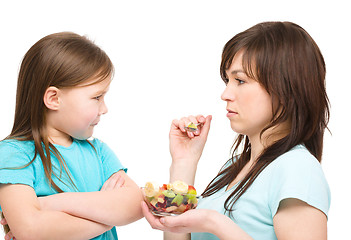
170	199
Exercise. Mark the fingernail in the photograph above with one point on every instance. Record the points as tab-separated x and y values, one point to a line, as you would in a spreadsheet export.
162	220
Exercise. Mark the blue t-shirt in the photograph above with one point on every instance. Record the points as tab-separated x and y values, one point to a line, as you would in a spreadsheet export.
295	174
88	168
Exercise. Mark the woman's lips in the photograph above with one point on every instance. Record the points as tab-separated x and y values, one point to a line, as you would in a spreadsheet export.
231	113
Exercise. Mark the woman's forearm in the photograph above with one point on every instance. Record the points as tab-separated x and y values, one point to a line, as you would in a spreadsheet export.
187	174
183	171
176	236
225	229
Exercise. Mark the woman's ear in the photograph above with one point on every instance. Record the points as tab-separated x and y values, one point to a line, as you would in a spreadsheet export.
51	98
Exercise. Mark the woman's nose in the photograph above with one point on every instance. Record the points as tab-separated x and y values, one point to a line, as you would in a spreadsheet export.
228	93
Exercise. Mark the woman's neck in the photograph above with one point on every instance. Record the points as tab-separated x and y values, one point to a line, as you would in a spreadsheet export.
269	137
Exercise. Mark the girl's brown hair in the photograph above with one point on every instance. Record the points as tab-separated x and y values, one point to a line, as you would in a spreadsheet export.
62	60
287	62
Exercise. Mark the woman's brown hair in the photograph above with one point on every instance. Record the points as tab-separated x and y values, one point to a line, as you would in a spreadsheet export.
287	62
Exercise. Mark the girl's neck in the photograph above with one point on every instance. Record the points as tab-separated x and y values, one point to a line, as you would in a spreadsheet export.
65	142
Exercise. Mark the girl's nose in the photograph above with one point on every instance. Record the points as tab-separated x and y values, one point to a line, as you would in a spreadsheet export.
103	108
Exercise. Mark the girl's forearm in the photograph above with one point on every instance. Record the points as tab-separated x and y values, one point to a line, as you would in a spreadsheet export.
59	225
114	208
55	225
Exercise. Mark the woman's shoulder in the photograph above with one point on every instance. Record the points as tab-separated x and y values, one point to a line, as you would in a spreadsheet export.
298	156
298	174
297	167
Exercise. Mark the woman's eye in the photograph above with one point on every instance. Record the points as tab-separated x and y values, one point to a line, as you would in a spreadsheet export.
239	81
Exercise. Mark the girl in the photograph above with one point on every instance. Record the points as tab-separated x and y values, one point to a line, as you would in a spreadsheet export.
273	187
62	83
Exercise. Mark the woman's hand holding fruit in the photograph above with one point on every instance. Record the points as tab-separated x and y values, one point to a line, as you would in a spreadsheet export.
186	146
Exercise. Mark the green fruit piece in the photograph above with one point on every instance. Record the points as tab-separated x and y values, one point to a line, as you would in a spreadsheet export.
192	199
178	199
168	193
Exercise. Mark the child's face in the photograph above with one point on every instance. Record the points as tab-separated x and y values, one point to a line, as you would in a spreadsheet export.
249	105
80	110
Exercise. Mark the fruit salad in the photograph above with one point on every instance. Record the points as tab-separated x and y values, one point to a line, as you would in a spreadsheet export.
170	199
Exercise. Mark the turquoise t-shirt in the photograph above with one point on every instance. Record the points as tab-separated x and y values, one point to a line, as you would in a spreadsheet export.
295	174
89	168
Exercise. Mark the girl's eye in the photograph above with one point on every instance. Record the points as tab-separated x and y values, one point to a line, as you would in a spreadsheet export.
98	97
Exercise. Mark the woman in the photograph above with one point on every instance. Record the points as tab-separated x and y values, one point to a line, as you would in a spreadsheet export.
273	187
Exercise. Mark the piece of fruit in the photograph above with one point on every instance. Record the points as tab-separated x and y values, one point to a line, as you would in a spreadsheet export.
168	193
171	208
191	190
151	189
178	199
180	187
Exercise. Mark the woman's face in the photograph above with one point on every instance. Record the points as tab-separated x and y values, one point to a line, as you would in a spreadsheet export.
249	106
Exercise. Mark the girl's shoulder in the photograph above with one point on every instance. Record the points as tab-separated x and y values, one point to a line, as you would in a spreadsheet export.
16	153
16	144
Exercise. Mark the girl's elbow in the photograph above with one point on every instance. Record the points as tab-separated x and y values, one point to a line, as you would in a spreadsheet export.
27	229
26	232
131	212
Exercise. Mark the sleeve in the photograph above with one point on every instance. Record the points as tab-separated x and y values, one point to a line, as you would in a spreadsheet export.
13	161
299	176
110	162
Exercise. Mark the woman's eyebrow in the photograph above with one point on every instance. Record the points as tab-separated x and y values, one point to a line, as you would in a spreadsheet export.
236	71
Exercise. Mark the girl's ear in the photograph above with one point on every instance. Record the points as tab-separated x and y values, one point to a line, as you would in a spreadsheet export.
51	98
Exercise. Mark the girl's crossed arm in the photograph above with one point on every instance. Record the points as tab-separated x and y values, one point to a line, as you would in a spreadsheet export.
27	221
115	205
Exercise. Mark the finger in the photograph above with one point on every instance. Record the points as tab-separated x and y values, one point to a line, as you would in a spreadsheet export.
183	123
153	221
3	221
200	119
206	127
190	134
111	182
120	182
192	119
173	222
9	236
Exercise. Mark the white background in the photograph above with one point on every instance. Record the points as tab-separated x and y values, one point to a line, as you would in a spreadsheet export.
167	56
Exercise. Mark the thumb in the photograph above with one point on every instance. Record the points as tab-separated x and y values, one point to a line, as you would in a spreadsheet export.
206	127
174	221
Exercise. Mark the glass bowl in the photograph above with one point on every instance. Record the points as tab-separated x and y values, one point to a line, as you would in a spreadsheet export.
168	203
